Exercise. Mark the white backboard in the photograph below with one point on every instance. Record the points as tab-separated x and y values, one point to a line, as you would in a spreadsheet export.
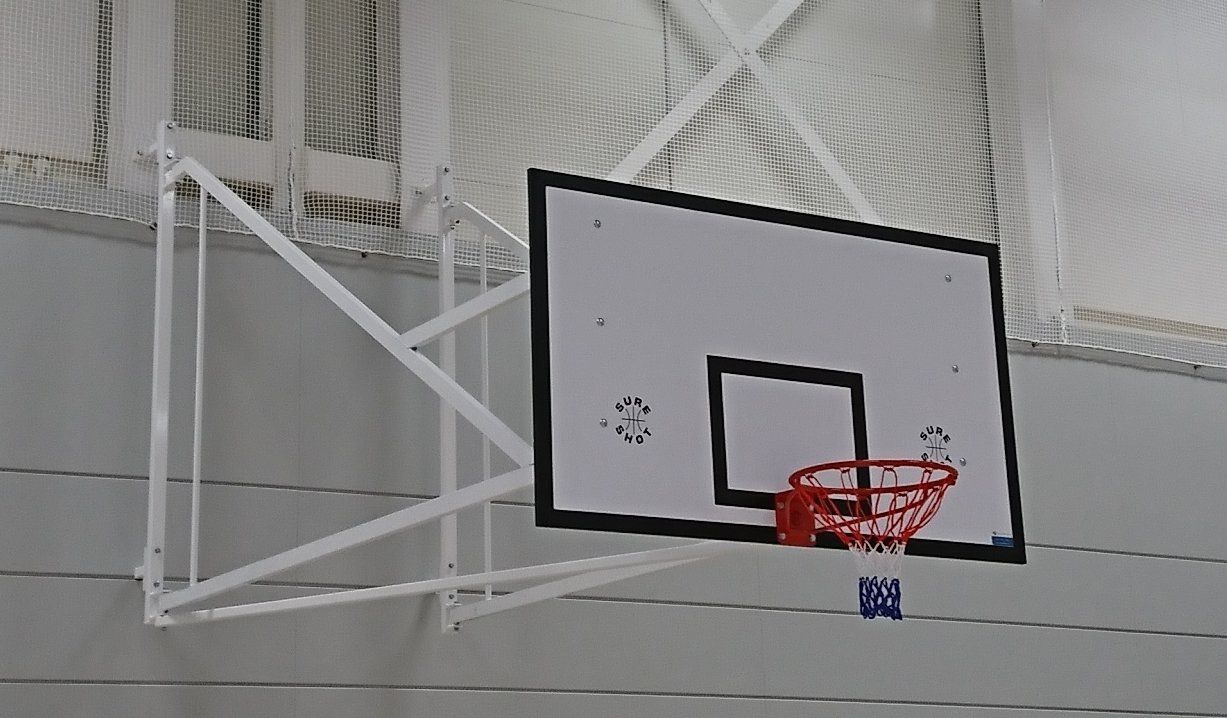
689	354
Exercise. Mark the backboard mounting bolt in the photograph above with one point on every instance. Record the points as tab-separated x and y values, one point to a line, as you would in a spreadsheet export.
157	550
170	125
451	565
783	536
954	368
604	423
779	504
596	223
963	461
600	321
813	538
455	626
949	278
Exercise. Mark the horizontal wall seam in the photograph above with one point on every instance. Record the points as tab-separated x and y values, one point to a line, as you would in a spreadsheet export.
241	484
627	600
591	692
910	616
524	504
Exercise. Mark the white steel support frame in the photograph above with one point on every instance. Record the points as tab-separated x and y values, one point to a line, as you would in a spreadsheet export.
165	607
745	47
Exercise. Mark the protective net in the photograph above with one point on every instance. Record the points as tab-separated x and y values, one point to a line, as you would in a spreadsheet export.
1084	138
874	516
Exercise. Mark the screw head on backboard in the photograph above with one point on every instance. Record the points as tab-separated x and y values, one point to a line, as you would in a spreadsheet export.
813	538
596	223
963	461
604	423
600	321
954	368
783	536
949	278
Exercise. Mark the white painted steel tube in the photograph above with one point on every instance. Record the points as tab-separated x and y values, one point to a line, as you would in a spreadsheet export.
594	572
448	458
502	435
352	537
478	306
561	587
198	407
487	548
493	229
748	46
699	94
159	421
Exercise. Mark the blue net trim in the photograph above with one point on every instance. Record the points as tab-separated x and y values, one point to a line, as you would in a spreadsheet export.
880	596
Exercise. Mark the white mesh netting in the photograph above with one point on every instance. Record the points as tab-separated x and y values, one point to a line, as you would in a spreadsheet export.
1083	137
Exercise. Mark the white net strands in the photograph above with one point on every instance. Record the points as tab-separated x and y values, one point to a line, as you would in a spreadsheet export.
879	587
56	83
1083	138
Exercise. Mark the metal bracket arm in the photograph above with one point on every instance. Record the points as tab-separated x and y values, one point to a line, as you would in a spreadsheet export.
813	141
476	307
700	93
745	48
663	559
583	573
445	386
393	523
490	228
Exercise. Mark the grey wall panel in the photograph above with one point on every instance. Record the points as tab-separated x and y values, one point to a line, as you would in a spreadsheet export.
96	526
295	393
612	646
252	364
288	401
270	420
112	701
1120	458
290	406
1056	586
74	368
368	422
45	517
194	701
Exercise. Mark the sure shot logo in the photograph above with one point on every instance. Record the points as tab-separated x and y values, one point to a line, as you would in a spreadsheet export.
632	419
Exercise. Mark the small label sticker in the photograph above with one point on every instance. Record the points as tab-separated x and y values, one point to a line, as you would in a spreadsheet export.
1007	541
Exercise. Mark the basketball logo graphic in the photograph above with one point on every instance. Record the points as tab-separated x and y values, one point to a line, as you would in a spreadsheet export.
632	419
936	443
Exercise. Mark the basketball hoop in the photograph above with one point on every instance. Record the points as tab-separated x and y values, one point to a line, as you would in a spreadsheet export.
873	518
